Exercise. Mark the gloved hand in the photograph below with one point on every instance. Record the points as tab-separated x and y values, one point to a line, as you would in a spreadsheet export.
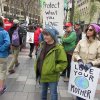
81	64
88	66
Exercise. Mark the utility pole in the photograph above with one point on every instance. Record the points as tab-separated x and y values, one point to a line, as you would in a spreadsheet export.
72	12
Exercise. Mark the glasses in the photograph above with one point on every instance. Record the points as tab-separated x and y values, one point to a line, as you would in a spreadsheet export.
90	30
66	27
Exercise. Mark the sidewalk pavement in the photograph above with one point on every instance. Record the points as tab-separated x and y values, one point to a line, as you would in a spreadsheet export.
22	85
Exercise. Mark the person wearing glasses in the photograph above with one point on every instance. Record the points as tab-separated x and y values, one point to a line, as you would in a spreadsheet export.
87	51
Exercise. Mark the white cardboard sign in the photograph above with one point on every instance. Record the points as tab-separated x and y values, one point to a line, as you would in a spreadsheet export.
53	14
30	37
83	84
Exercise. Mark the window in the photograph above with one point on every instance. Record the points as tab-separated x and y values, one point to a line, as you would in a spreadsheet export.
6	0
22	13
29	15
78	5
18	12
6	8
12	10
81	4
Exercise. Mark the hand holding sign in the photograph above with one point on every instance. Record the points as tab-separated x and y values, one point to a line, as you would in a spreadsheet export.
83	83
81	64
88	66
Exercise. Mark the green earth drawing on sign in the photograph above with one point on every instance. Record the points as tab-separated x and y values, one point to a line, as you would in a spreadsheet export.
81	82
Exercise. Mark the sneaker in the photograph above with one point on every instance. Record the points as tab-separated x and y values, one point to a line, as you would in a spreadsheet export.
66	79
11	71
16	65
3	91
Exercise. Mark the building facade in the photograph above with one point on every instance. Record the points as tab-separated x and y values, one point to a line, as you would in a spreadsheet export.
87	11
20	9
0	7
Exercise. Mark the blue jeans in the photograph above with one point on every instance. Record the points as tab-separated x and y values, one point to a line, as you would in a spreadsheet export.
53	90
78	98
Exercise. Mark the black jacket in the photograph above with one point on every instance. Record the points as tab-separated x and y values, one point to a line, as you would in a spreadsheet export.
78	34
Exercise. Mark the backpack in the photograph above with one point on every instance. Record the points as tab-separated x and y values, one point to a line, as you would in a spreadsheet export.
15	38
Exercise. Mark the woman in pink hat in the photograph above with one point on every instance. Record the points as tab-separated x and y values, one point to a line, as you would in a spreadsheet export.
87	52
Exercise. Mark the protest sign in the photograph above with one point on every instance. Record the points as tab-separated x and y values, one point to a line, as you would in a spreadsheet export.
30	37
83	84
53	14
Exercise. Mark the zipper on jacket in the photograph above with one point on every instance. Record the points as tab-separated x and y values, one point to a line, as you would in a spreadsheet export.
87	57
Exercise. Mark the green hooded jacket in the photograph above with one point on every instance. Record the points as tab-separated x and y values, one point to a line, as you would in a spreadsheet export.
54	63
69	42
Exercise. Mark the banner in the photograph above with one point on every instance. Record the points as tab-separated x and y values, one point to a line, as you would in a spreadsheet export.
30	37
83	84
69	2
53	14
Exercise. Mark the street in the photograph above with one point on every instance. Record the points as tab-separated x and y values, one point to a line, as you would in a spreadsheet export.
35	27
22	85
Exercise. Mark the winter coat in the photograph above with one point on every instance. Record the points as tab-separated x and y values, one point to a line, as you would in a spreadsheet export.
79	35
69	42
4	43
36	36
88	51
54	62
7	25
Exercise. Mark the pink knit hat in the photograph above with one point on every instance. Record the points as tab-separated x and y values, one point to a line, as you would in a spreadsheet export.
96	27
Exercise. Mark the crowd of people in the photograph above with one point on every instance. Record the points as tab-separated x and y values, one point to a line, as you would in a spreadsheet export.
53	59
12	39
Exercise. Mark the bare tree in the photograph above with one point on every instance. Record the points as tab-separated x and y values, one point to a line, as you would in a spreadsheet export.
77	15
25	6
13	7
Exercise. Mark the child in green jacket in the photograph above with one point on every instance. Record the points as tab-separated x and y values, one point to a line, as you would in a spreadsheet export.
51	60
